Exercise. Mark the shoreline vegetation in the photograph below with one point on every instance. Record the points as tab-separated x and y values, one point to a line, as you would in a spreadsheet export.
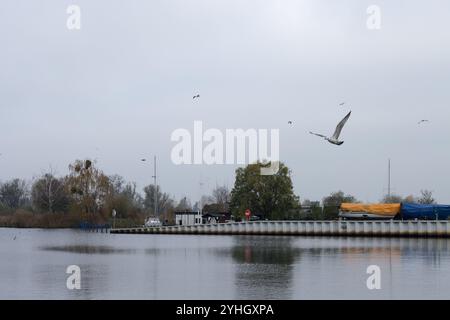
27	219
86	196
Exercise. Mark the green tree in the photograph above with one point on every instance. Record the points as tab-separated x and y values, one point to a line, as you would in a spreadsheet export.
269	195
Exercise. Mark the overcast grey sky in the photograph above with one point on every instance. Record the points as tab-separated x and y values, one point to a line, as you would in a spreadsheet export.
116	89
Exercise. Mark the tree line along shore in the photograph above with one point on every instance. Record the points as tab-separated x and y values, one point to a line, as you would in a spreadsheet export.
88	195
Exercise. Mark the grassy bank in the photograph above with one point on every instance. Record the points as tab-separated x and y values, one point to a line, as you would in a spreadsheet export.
28	219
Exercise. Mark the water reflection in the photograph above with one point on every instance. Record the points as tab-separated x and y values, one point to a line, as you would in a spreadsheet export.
264	267
219	267
330	267
89	249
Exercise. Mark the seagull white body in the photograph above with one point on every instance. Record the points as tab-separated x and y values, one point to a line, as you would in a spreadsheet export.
335	138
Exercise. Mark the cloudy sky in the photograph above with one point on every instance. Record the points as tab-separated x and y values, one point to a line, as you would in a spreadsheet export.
116	89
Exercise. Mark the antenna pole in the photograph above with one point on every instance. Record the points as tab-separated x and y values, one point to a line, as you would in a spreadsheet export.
156	188
389	177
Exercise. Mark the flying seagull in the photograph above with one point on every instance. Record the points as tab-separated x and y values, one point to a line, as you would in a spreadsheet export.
341	104
143	159
196	96
335	138
421	121
289	122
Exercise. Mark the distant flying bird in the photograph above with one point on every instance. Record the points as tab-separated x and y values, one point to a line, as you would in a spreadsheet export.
143	159
196	96
422	121
341	104
289	122
335	138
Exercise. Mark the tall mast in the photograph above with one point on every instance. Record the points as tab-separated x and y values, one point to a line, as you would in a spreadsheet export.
156	188
389	177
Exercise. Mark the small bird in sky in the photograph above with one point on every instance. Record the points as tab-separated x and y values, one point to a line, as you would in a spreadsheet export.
196	96
422	121
335	138
289	122
143	159
341	104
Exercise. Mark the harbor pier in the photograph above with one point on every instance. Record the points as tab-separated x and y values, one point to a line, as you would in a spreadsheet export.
363	228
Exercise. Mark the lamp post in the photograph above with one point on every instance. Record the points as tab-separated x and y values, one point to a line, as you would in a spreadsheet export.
155	186
114	213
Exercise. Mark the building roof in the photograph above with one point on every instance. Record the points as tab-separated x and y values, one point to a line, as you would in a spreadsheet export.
217	214
187	213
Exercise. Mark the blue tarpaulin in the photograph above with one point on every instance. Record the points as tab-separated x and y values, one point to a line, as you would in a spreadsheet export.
425	211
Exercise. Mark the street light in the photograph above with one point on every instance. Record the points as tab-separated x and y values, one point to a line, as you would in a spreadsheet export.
155	187
114	213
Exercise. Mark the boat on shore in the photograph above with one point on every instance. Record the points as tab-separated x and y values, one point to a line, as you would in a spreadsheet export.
399	211
152	222
379	211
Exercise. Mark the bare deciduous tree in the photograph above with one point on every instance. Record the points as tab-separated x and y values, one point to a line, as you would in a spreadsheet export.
14	193
335	199
426	197
48	194
88	186
392	198
221	196
164	202
184	205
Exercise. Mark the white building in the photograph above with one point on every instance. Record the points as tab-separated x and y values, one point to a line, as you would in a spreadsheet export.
188	218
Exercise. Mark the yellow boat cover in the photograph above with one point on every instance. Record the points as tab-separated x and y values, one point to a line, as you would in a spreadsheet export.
391	209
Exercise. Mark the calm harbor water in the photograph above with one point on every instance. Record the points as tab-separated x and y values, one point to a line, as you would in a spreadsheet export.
33	265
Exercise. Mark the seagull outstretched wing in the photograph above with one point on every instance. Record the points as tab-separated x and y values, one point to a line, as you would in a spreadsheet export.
317	134
339	127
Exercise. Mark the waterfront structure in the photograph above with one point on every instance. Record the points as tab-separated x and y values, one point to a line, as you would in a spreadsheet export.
188	218
366	228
